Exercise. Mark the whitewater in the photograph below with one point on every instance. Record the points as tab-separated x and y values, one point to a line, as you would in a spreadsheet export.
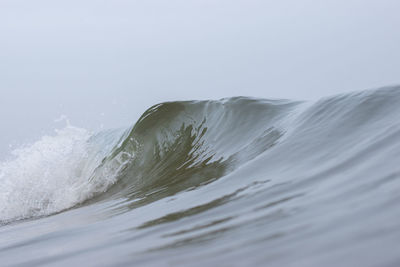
233	182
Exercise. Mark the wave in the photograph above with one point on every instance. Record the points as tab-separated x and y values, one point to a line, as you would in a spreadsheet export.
181	146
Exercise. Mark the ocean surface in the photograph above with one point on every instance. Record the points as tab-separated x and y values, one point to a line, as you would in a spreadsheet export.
234	182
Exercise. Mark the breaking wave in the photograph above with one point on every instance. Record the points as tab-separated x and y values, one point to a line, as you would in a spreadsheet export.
181	146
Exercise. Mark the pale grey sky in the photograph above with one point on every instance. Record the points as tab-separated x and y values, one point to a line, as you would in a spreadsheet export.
105	62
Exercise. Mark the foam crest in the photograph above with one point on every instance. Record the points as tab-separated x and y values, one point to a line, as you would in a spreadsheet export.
47	176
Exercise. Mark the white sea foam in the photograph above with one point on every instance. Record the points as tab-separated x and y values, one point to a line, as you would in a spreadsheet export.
49	175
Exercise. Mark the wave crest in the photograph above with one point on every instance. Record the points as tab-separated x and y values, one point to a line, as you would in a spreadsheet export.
178	146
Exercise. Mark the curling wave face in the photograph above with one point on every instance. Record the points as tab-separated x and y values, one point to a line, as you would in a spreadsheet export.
174	146
227	173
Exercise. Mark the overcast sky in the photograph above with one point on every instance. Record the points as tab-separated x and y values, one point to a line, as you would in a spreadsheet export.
104	62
